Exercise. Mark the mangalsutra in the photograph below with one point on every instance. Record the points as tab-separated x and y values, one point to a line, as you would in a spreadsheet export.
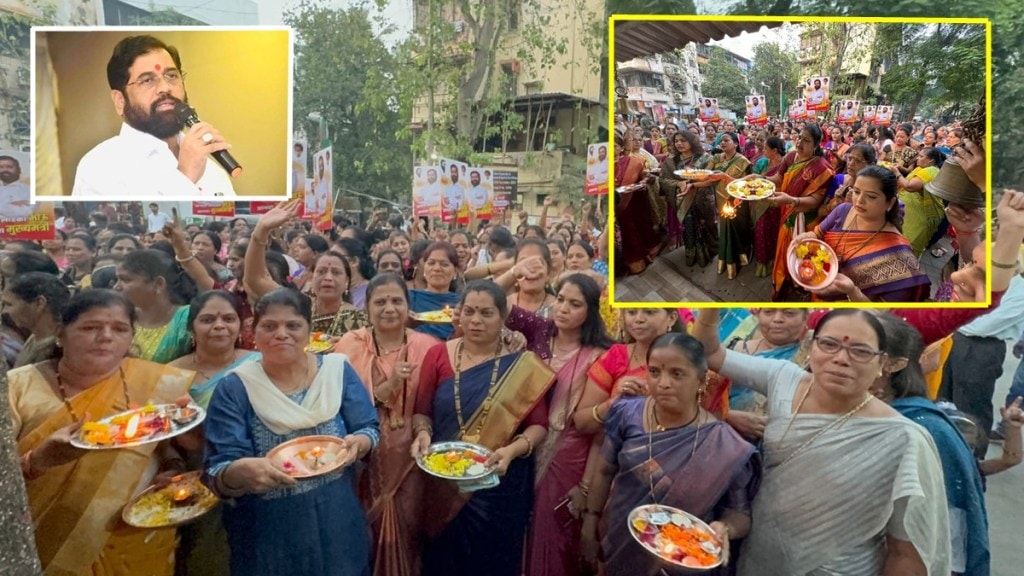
491	389
655	425
65	397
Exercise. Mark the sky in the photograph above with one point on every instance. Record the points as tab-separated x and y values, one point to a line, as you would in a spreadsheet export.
786	35
398	11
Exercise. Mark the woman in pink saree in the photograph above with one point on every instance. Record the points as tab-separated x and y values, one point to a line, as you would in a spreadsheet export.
569	342
640	211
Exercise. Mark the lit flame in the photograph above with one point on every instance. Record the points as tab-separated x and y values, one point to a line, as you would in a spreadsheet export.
317	452
182	494
132	427
728	210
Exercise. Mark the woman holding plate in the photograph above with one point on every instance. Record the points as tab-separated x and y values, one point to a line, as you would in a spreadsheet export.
473	390
891	517
735	228
800	182
696	212
766	227
387	356
864	232
76	495
440	264
666	449
278	525
638	212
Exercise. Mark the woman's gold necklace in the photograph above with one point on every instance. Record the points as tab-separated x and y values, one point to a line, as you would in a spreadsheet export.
66	398
491	389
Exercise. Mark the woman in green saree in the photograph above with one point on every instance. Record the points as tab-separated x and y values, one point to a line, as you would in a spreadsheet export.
159	289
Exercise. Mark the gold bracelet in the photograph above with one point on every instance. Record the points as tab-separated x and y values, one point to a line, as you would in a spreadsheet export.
1004	266
597	417
423	428
529	444
184	260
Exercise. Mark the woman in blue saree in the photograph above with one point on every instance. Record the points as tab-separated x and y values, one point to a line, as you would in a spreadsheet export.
902	386
472	390
440	265
666	449
276	525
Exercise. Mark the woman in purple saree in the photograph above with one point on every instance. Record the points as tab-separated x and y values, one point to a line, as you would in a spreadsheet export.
666	449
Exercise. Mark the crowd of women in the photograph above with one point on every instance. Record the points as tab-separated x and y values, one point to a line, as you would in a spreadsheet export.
859	188
588	413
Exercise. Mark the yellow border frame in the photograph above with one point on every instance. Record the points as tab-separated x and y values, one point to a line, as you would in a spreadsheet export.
797	19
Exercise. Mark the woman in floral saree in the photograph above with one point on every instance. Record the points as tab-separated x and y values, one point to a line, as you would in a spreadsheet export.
801	182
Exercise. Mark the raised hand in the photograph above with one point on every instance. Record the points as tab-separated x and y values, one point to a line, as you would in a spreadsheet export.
279	215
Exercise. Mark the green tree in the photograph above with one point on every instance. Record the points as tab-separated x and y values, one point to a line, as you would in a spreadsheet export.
775	67
345	73
725	81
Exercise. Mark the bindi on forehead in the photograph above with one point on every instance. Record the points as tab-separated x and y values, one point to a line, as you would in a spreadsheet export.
156	67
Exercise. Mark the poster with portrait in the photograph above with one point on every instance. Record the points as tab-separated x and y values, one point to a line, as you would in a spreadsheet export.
597	170
799	109
454	176
816	93
883	117
708	110
19	218
426	191
298	167
319	198
869	114
756	112
480	193
848	111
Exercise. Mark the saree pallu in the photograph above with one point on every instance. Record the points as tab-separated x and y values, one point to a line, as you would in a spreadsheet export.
766	227
76	507
800	179
389	493
175	342
637	216
964	489
800	525
668	184
699	472
882	265
922	212
484	531
560	462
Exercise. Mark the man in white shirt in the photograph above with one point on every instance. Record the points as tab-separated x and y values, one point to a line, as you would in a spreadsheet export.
477	195
756	110
156	219
430	194
15	196
710	110
816	96
454	195
151	156
846	114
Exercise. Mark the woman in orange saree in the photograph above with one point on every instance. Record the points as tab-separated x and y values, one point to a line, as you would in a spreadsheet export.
387	356
638	213
801	182
75	495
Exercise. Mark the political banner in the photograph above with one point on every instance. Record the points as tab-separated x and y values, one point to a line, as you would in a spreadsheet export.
426	191
319	199
597	170
848	111
480	193
708	110
213	208
756	112
299	168
816	93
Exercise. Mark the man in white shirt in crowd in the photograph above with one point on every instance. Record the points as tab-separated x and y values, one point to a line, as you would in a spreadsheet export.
756	110
15	197
151	157
816	96
156	219
477	195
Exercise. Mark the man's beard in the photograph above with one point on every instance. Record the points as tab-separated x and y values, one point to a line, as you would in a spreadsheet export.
8	177
162	124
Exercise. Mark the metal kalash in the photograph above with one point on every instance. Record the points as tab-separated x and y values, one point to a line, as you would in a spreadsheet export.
951	183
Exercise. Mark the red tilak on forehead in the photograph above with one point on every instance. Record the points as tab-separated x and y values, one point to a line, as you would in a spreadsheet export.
157	67
846	338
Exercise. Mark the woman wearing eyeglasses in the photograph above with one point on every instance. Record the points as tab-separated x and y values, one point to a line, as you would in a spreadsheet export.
850	486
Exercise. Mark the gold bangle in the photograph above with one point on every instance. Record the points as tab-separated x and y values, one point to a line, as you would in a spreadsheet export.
597	417
190	258
529	445
423	428
1004	266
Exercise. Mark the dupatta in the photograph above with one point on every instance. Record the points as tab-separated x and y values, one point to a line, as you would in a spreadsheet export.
76	507
570	381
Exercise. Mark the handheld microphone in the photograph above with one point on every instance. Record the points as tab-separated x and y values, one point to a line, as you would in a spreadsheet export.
187	116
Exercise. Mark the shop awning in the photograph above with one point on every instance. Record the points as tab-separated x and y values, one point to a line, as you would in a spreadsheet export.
635	39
